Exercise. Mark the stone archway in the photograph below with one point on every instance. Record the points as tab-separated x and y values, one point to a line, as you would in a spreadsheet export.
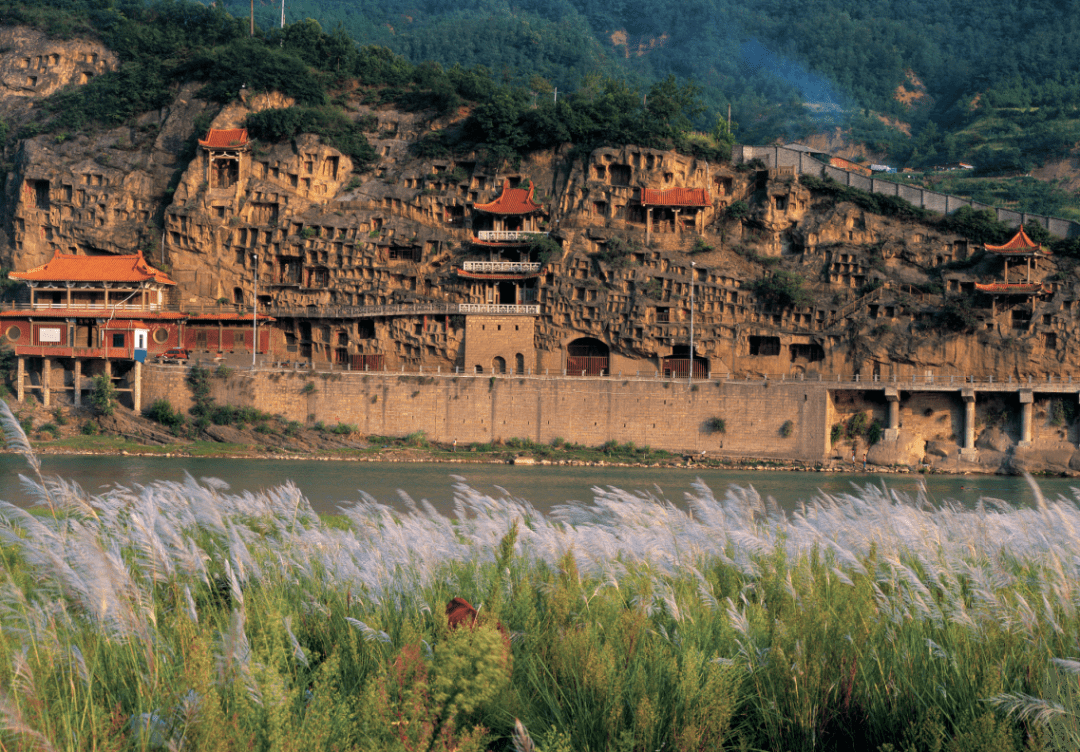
677	365
498	364
588	356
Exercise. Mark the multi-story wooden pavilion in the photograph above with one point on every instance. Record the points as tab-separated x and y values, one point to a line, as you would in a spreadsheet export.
1019	247
509	223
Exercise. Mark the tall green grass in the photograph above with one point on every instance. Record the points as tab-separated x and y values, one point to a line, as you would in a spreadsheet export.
182	616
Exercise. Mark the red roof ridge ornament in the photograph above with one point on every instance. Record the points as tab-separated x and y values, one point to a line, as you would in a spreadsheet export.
225	138
511	201
1019	244
65	267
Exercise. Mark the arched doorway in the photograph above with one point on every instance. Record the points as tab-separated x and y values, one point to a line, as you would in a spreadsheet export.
519	363
479	368
677	365
498	365
589	356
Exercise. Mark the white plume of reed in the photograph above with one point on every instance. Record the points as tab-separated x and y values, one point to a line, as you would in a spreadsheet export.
15	438
12	719
298	651
1029	708
369	633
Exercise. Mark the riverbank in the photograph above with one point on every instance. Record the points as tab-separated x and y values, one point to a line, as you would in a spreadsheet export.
67	430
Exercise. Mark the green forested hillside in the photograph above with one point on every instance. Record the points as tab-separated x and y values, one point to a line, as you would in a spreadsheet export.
771	57
921	81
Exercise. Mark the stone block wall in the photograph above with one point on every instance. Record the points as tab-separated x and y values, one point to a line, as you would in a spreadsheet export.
480	408
506	337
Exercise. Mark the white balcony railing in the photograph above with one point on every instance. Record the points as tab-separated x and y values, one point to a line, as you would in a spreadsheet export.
497	267
507	236
533	310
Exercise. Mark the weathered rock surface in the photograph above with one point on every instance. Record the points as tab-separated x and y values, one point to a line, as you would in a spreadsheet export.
323	241
906	449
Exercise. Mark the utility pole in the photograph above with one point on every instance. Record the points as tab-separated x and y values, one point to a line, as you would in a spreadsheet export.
690	377
252	17
255	310
283	14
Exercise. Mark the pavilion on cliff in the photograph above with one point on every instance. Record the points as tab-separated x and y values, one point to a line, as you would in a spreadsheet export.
1019	247
509	222
675	209
225	149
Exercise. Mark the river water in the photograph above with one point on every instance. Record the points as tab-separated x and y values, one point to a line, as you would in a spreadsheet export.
329	484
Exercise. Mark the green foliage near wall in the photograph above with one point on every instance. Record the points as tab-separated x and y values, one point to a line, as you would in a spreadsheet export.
783	289
102	397
889	206
345	135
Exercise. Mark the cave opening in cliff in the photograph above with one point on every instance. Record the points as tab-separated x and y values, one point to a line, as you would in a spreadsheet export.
40	189
811	353
224	172
587	356
764	346
677	365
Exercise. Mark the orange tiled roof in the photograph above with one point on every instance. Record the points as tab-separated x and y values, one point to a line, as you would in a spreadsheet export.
1020	244
229	138
511	201
70	268
676	197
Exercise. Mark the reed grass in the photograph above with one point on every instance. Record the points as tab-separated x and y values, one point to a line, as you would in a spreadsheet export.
180	616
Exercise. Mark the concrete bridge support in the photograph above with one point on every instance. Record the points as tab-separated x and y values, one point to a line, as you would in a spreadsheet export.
20	380
77	399
892	395
969	452
1026	400
136	388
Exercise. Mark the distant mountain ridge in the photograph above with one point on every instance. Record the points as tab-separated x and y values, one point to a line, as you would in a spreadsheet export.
921	62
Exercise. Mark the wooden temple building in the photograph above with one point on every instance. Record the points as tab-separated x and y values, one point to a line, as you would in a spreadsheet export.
674	210
505	228
80	316
1019	247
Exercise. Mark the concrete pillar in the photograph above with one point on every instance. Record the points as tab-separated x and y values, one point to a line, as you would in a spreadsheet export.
20	379
648	226
46	379
969	452
892	395
1026	400
136	388
77	400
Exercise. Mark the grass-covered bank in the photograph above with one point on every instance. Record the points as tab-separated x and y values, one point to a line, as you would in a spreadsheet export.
178	616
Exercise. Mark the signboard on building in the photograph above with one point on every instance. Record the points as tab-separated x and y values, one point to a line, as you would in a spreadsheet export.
49	334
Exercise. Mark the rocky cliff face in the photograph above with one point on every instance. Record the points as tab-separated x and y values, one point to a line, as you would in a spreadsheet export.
326	243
